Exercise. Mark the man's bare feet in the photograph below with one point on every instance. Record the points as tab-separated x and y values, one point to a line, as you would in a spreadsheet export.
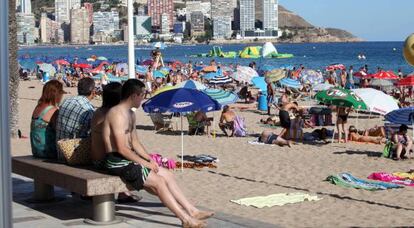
203	215
289	143
194	223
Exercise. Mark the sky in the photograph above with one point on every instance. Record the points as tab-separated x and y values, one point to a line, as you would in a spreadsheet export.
371	20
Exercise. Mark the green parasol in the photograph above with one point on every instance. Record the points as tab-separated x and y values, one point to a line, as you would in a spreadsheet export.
341	97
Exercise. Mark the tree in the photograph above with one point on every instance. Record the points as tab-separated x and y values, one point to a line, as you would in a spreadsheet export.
13	71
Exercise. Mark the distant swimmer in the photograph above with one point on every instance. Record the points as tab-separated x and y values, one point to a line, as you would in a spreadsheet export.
394	49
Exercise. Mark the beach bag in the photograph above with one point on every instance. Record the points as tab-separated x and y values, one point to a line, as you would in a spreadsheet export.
163	162
387	152
239	127
75	151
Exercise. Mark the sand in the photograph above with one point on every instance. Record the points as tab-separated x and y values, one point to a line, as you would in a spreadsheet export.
248	170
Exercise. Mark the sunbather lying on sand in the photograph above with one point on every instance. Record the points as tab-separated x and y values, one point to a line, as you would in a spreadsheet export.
355	136
269	137
377	131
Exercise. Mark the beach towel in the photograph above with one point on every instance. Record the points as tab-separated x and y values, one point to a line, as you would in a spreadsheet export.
349	181
276	199
256	142
408	175
239	127
269	126
387	177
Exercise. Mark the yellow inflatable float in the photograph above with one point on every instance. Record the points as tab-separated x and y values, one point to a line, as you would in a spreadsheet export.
408	50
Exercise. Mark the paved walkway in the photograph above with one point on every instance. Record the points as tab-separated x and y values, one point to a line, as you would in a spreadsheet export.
68	211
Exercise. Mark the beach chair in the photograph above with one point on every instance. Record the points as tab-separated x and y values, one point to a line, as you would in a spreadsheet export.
194	127
162	122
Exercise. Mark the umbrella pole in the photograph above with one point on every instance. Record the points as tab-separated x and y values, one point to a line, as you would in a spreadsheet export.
333	135
182	144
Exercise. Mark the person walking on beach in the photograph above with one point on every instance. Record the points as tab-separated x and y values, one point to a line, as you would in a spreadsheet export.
148	81
350	78
341	121
127	157
343	77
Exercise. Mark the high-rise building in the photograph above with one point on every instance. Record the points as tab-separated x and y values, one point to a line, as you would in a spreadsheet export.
142	26
192	6
106	22
156	8
27	33
270	17
79	26
247	17
221	8
165	24
89	7
24	6
197	23
62	10
50	31
222	27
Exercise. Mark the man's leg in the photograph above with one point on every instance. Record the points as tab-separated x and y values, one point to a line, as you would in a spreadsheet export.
223	128
179	195
158	184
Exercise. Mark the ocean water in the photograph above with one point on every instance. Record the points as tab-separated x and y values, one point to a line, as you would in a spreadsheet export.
387	55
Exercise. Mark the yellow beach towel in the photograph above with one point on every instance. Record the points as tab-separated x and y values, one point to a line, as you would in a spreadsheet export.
275	199
404	175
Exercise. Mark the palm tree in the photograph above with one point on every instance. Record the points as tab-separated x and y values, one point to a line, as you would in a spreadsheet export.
13	71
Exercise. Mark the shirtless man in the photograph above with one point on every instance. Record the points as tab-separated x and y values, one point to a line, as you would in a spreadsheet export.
126	157
226	120
148	81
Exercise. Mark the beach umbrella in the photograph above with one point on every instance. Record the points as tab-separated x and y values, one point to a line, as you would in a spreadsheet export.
62	62
221	96
244	74
28	64
377	101
260	83
102	58
275	75
210	75
402	116
341	97
159	45
267	68
311	77
158	74
141	69
387	75
322	86
181	101
163	89
191	84
408	81
48	68
361	74
381	83
292	83
220	80
82	65
335	66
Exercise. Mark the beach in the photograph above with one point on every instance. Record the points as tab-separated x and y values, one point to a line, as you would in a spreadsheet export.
246	170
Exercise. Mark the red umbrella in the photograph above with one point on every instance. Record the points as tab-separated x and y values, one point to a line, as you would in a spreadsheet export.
408	81
62	62
336	66
361	74
82	65
384	75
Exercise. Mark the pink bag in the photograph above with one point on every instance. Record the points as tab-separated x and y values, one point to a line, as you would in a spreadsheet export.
163	162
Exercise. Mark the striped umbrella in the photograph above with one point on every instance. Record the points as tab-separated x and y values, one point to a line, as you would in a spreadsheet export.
401	116
288	82
244	74
388	75
211	75
191	84
221	96
275	75
335	66
220	80
311	77
381	83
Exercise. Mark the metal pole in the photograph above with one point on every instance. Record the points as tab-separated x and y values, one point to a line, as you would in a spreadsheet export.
182	144
5	172
131	48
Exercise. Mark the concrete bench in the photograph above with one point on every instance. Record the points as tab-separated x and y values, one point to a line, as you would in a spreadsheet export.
82	180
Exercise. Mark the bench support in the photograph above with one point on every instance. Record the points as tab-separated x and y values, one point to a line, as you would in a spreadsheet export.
103	210
43	192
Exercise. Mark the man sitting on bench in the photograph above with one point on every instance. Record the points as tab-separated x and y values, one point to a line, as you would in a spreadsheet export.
126	157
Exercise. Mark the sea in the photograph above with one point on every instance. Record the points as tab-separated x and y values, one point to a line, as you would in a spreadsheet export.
387	55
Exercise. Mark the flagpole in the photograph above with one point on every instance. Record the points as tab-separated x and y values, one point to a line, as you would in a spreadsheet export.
5	160
131	48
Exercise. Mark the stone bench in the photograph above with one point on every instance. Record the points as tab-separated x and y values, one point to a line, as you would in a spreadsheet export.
82	180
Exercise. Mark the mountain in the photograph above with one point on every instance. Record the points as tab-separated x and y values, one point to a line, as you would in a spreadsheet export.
302	31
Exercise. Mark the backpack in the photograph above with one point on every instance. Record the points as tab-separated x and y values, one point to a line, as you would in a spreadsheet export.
239	127
387	152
